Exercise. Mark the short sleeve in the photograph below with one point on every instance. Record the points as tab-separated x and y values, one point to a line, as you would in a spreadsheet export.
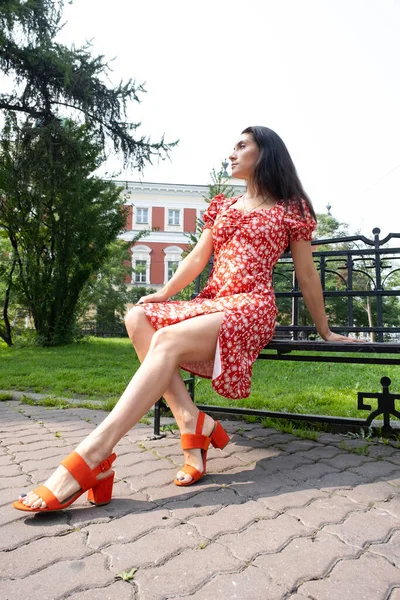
211	213
300	228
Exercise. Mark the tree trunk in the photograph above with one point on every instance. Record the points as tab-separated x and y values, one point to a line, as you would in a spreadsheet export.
5	334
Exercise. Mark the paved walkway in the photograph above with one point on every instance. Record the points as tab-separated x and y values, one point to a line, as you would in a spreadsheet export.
277	517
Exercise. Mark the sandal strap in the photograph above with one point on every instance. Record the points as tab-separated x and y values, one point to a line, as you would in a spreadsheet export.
200	422
105	464
191	441
45	494
196	441
192	471
80	470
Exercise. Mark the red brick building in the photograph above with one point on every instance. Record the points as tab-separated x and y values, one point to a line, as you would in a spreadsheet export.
168	212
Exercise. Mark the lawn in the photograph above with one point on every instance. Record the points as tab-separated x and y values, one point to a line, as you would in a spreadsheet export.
99	369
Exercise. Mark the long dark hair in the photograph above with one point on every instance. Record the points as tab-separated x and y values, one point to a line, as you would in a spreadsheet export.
275	173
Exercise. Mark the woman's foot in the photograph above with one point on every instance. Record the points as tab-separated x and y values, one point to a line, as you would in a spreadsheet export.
195	456
63	485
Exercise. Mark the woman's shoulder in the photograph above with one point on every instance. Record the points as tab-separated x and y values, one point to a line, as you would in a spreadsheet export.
299	220
296	205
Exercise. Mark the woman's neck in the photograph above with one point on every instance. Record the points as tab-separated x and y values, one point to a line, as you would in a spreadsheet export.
253	196
251	192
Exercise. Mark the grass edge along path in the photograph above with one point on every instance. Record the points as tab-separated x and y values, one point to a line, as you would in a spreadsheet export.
99	369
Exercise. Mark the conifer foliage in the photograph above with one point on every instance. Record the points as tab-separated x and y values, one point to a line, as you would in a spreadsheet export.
60	118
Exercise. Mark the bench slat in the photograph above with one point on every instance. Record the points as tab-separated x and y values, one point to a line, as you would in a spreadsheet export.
307	345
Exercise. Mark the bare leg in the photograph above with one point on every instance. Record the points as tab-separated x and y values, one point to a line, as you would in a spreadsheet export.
191	340
178	398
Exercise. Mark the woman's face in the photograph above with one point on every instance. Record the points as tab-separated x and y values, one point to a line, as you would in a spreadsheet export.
244	157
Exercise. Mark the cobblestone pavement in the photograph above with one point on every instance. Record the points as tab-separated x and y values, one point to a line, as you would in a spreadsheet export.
278	517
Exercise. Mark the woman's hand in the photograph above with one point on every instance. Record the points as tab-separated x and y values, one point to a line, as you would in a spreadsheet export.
336	337
156	297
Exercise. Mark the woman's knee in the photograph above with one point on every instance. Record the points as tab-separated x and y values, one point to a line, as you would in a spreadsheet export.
134	320
166	340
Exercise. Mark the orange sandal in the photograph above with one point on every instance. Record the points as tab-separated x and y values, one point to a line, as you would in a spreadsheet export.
190	441
100	490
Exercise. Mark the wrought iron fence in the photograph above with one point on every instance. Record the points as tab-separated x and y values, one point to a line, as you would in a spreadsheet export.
352	269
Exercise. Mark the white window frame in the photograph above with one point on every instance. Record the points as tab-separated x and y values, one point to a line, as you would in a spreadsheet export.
171	262
172	254
167	226
141	276
141	226
175	213
141	208
141	253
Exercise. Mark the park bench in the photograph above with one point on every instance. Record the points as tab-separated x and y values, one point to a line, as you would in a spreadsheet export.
357	274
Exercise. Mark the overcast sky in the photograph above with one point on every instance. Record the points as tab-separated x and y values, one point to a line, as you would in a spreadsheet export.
324	74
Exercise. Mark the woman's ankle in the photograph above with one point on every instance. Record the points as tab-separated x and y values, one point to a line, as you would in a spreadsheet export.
93	454
188	421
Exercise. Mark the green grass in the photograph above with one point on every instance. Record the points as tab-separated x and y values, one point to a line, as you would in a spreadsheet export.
92	370
311	388
99	369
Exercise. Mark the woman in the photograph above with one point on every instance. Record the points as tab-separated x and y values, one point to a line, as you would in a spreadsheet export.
235	318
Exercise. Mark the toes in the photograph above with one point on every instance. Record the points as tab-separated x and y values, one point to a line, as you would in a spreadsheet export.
184	477
32	500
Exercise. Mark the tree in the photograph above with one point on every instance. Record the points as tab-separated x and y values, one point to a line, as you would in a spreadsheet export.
49	78
7	280
219	185
329	227
60	121
102	304
135	293
59	220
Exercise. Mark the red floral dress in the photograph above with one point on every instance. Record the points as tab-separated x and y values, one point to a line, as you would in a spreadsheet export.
246	248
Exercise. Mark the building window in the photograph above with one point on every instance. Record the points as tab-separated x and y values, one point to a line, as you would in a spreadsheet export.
173	216
141	264
142	216
172	266
173	257
140	271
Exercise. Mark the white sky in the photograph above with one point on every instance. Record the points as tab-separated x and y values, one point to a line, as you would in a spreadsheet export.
324	74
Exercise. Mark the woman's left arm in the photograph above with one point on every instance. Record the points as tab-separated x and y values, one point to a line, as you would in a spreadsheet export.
311	290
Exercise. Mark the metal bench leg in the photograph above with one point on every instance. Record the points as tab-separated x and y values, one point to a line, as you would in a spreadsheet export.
157	417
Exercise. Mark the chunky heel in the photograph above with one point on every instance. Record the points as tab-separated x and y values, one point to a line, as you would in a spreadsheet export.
219	437
102	492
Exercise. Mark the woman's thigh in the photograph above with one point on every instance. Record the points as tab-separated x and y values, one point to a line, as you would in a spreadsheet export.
194	339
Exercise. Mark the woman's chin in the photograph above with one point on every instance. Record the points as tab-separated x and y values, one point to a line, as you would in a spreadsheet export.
237	175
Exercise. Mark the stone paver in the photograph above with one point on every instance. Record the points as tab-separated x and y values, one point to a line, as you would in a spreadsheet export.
153	549
390	549
369	577
332	509
276	518
120	590
186	572
249	584
269	535
362	528
303	559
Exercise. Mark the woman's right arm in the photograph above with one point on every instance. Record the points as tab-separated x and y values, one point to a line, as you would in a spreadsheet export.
191	266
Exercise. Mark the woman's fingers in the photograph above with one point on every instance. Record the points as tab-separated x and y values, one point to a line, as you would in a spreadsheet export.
336	337
151	298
